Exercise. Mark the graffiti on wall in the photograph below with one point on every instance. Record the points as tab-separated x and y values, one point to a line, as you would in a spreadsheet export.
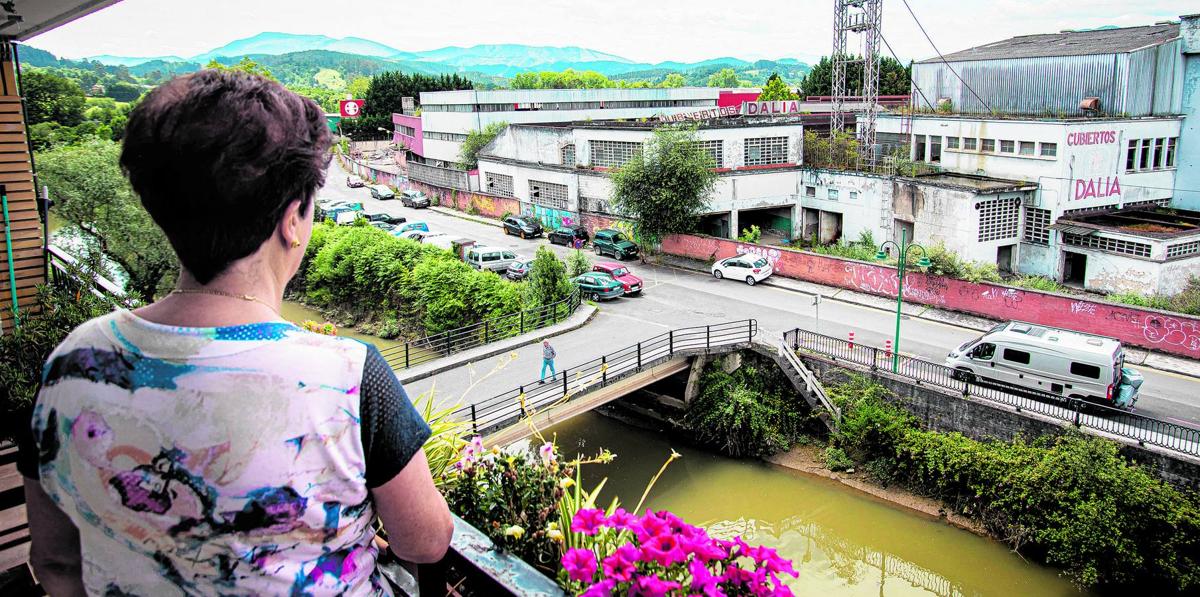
771	254
552	218
877	280
1160	331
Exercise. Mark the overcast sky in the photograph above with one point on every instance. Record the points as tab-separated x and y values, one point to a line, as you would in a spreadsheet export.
641	30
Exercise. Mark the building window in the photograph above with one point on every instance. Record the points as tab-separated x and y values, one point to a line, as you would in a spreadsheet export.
1171	152
1158	153
1112	245
407	131
1026	147
1144	160
853	195
989	145
810	191
935	149
498	184
831	194
1037	226
715	150
613	154
1131	156
548	194
1006	147
761	151
999	218
568	155
1049	150
951	142
443	136
1183	249
969	143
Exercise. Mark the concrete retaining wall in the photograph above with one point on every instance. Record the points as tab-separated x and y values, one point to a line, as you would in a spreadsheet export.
942	410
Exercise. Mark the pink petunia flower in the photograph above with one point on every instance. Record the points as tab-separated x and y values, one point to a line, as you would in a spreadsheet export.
580	564
622	564
652	586
650	526
620	519
546	452
663	549
587	521
601	589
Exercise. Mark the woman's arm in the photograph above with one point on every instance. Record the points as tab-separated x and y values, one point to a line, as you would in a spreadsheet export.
414	513
55	554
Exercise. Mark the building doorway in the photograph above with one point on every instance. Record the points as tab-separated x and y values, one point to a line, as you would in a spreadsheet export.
1004	258
1074	269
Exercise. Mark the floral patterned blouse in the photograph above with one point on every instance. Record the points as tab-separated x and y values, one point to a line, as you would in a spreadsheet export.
220	461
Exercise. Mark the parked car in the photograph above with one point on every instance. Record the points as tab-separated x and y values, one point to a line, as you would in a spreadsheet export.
1061	362
522	226
345	217
355	182
407	226
613	242
519	269
381	192
751	268
384	226
630	283
416	235
598	286
414	199
378	216
496	259
341	203
567	235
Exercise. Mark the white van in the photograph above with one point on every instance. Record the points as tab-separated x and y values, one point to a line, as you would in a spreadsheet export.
1061	362
495	259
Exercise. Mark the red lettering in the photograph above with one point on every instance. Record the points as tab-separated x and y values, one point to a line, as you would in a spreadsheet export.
1078	190
793	107
1115	189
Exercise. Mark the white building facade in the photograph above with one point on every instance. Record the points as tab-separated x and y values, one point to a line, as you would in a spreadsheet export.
448	116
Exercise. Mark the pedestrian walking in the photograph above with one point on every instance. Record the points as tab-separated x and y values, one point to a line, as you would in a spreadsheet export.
548	355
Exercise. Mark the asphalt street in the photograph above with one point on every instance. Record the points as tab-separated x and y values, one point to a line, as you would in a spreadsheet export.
675	298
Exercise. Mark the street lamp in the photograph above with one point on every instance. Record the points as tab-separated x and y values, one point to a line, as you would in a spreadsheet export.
902	250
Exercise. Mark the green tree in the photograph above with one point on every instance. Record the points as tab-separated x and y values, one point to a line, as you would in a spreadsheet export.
245	65
776	90
468	156
123	92
547	282
51	98
726	78
665	187
358	87
89	190
673	80
326	98
385	96
578	263
893	78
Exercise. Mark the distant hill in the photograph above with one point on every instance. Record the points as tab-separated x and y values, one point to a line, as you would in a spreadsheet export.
130	61
515	55
287	43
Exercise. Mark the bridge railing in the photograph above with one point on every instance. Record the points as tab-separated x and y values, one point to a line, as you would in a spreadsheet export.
510	407
435	346
1099	417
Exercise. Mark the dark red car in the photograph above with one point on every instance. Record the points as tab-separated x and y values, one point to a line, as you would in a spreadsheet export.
631	283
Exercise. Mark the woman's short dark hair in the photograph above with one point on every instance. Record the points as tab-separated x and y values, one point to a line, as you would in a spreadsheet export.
216	156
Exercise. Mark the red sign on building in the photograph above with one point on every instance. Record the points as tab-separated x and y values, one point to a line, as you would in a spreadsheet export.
351	108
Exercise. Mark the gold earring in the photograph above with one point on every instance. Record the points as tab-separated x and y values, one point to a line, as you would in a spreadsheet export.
295	243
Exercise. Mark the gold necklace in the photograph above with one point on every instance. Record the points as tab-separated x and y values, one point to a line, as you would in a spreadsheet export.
250	298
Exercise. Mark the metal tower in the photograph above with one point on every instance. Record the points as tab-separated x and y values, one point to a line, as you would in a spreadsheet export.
863	18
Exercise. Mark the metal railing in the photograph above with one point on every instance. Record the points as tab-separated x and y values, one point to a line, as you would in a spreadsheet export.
810	381
510	407
423	350
66	269
1080	413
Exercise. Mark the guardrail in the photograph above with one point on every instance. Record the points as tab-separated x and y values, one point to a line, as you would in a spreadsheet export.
810	381
423	350
65	270
510	407
1114	421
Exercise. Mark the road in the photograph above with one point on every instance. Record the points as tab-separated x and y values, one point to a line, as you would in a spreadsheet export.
675	298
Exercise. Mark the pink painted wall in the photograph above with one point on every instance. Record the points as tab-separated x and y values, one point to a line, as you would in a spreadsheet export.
416	143
491	206
733	98
1167	332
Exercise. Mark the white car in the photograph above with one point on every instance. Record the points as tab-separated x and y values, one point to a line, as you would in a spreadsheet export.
751	268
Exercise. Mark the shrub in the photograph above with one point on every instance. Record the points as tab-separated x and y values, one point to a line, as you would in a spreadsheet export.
947	263
547	282
746	413
1071	500
836	459
752	235
578	263
1037	283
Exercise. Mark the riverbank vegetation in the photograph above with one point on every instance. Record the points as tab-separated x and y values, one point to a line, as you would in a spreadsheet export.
751	412
1072	501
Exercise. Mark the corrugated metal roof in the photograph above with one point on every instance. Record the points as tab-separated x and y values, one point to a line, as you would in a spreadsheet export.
1069	43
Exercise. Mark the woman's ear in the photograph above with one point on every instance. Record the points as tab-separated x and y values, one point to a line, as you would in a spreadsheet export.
292	224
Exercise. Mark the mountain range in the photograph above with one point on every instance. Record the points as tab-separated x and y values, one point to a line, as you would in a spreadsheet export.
494	60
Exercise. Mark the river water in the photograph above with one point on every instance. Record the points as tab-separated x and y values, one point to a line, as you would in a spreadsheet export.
842	542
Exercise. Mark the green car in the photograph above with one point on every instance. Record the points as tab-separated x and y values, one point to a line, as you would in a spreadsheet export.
597	286
615	243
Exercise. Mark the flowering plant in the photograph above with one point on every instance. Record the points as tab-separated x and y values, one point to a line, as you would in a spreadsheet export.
320	328
659	554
